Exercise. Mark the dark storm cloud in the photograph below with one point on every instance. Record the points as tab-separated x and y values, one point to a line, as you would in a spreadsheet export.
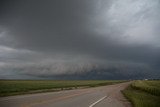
55	35
57	25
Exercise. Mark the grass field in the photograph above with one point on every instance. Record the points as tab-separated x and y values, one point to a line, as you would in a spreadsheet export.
14	87
144	93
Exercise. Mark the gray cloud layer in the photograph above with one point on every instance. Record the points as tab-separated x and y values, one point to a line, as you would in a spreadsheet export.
61	38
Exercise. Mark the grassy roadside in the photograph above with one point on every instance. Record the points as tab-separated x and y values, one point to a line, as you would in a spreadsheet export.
144	93
16	87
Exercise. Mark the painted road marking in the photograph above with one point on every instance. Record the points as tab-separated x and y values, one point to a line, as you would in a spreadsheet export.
97	101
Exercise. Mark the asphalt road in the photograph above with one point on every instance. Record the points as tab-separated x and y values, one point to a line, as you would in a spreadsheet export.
105	96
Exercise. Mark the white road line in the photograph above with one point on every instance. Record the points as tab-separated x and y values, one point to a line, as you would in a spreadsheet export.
97	101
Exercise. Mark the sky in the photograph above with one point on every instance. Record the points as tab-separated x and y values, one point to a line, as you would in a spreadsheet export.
79	39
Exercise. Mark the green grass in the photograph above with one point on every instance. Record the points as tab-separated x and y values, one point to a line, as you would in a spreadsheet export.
144	93
152	87
14	87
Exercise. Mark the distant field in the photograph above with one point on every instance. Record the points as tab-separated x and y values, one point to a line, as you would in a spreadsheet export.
144	93
14	87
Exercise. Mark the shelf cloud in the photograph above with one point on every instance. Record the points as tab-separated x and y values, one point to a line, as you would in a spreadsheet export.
79	39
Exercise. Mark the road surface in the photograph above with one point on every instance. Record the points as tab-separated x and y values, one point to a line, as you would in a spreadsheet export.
104	96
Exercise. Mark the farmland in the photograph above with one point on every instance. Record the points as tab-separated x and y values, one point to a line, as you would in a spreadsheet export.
15	87
144	93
